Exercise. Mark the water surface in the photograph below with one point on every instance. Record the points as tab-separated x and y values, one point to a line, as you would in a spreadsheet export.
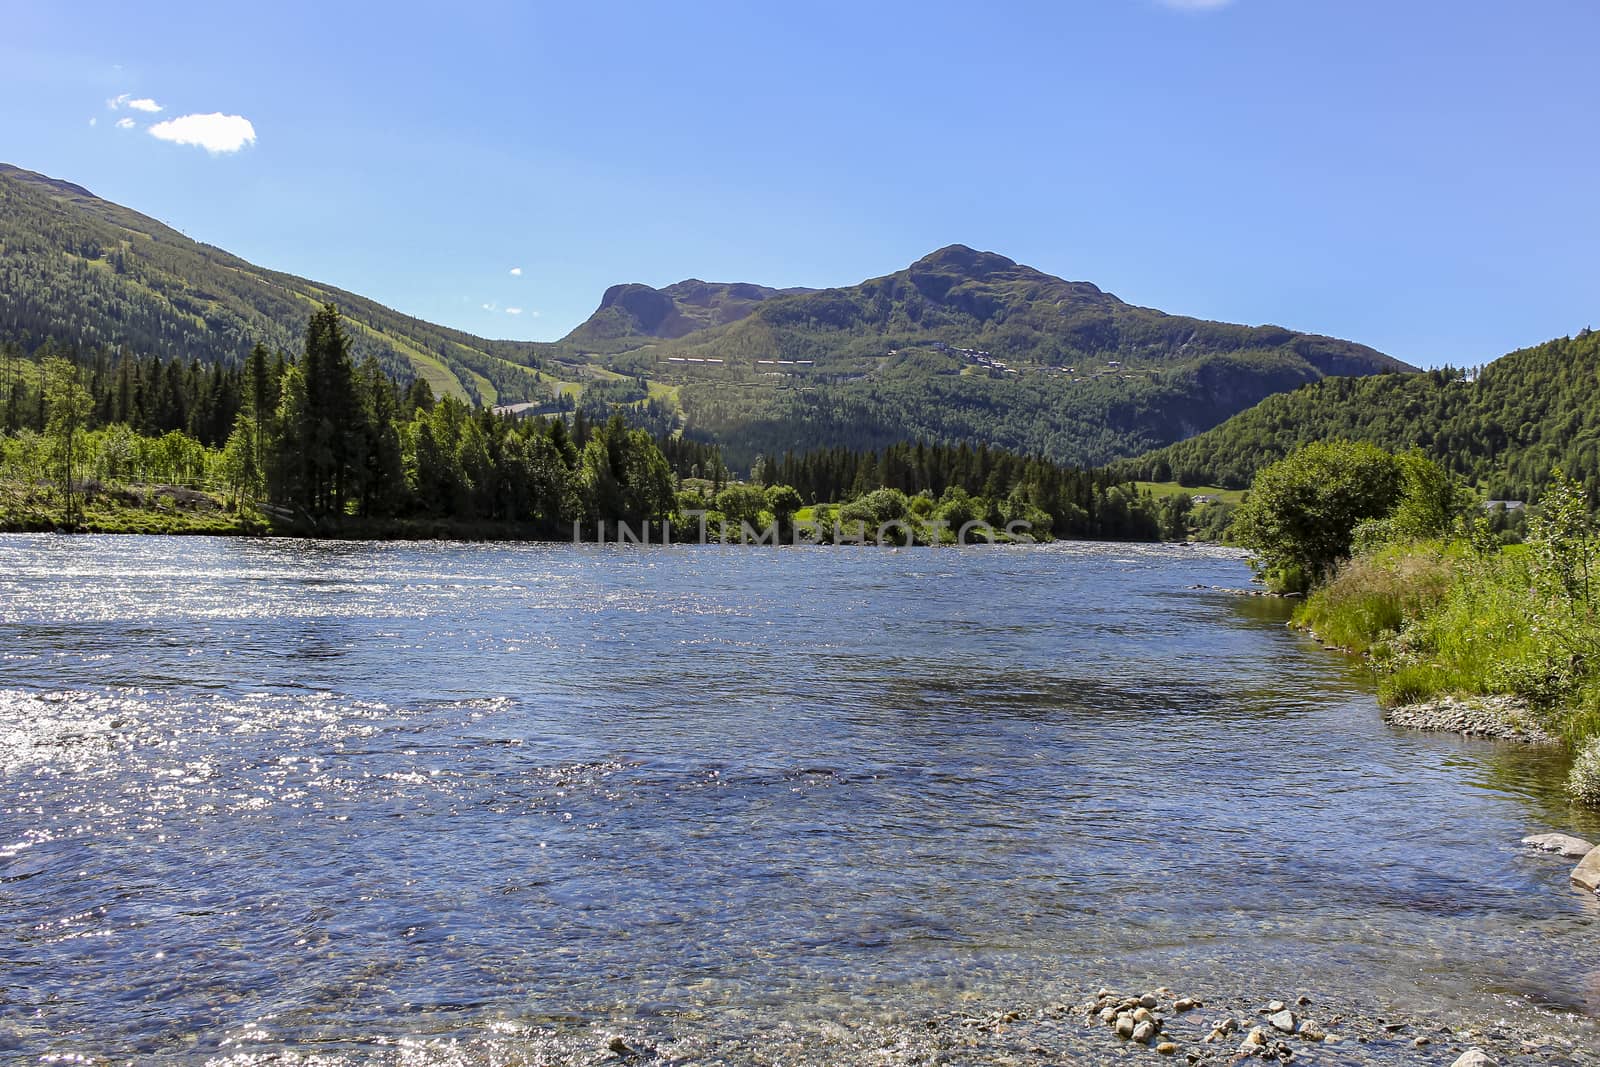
488	803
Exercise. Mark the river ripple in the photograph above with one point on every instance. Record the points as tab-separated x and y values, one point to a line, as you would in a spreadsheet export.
489	803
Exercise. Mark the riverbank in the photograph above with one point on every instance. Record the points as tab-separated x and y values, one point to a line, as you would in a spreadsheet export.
150	509
1214	1025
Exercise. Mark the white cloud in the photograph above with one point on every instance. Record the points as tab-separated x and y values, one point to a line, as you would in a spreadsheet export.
513	311
1195	5
117	101
516	272
125	124
489	306
215	132
94	122
145	104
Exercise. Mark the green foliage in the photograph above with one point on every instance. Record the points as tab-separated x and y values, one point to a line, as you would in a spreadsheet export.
1302	512
68	406
1583	781
1467	616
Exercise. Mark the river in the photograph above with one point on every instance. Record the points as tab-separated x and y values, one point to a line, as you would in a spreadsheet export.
291	801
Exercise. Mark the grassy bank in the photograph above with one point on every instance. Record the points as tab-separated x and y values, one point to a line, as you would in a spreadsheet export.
1465	617
152	509
1440	618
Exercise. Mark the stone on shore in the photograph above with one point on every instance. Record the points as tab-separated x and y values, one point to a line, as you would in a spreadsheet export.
1283	1021
1587	872
1561	844
1474	1057
1504	718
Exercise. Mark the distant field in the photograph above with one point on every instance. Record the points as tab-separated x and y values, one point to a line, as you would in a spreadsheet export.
1226	496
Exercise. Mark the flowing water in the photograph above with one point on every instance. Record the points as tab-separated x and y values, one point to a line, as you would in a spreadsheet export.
345	802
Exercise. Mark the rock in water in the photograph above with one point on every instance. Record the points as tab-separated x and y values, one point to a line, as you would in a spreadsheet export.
1587	872
1475	1057
1283	1021
1144	1033
1562	844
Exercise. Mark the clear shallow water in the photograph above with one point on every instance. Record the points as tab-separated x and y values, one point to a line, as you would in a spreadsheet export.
460	802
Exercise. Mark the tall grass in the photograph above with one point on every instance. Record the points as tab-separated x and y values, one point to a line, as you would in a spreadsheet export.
1439	619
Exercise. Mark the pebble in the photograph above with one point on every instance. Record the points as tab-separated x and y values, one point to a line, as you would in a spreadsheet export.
1283	1021
1185	1004
1475	1057
1503	717
1166	1048
1124	1026
1144	1033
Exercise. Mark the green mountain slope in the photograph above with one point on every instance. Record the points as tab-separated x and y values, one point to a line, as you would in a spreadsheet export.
967	345
960	346
83	271
1502	431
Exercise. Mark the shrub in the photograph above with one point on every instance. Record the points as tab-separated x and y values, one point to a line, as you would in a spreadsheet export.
1583	781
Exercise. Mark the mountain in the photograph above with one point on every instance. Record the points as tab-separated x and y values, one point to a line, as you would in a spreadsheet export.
1501	430
633	313
961	345
964	345
79	270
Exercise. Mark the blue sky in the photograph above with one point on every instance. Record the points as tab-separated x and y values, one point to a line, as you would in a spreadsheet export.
1418	177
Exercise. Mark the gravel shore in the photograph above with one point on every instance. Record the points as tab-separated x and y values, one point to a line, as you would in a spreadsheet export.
1502	718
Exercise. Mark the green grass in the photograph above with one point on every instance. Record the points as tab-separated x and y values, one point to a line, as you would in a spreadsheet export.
1439	619
1225	496
33	509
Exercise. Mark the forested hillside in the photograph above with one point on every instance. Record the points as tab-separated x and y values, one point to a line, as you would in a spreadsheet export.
86	273
1502	430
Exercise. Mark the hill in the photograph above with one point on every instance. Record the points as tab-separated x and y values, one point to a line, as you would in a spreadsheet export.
632	314
961	345
82	271
969	345
1501	430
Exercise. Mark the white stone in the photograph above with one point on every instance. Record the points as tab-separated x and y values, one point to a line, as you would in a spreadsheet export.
1561	844
1475	1057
